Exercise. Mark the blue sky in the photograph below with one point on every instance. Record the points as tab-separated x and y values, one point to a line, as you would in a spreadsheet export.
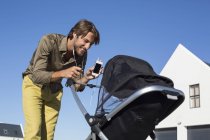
147	29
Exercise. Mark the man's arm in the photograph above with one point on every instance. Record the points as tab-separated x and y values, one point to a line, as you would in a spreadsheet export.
72	72
40	62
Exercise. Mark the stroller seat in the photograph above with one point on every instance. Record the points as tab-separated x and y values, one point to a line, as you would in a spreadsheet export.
132	100
136	117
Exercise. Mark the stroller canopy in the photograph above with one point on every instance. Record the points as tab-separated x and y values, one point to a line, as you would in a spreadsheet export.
123	75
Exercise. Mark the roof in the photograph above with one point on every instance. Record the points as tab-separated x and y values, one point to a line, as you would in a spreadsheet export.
207	63
11	130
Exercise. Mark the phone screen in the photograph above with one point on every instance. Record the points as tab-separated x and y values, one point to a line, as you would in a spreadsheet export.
97	68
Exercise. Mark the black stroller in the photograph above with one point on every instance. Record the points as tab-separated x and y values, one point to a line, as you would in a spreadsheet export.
132	100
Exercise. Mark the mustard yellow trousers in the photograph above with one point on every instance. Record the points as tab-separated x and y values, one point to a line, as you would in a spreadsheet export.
41	110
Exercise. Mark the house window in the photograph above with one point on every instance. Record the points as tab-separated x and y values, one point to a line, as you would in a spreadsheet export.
194	96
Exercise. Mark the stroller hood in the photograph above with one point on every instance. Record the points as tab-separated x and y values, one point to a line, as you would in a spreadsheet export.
123	75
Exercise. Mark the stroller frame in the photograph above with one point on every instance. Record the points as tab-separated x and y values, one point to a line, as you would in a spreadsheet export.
93	121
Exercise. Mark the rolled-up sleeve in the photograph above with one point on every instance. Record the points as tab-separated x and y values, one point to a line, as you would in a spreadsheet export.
40	74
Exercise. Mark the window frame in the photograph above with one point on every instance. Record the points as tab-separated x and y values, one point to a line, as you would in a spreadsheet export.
194	96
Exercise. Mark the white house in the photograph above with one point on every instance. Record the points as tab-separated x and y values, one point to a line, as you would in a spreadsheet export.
191	121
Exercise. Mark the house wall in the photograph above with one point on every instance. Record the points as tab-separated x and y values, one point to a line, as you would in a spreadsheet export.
185	69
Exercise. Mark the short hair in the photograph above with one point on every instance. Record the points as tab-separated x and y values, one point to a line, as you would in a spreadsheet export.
83	27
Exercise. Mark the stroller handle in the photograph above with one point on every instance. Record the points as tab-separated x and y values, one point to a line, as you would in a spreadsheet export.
78	101
88	118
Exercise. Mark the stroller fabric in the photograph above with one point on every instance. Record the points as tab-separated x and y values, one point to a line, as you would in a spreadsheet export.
123	75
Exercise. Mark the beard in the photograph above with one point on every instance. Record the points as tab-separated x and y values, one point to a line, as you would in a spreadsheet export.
80	51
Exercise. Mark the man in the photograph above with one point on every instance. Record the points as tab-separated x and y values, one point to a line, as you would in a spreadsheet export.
56	57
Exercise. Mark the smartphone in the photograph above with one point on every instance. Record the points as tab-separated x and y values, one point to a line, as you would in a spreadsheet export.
97	67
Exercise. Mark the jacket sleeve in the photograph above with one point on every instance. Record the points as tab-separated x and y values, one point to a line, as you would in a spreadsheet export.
40	73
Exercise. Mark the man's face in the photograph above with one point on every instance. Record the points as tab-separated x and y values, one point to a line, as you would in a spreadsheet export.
81	45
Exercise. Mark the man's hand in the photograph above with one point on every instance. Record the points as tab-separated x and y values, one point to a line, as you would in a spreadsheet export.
88	75
72	72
